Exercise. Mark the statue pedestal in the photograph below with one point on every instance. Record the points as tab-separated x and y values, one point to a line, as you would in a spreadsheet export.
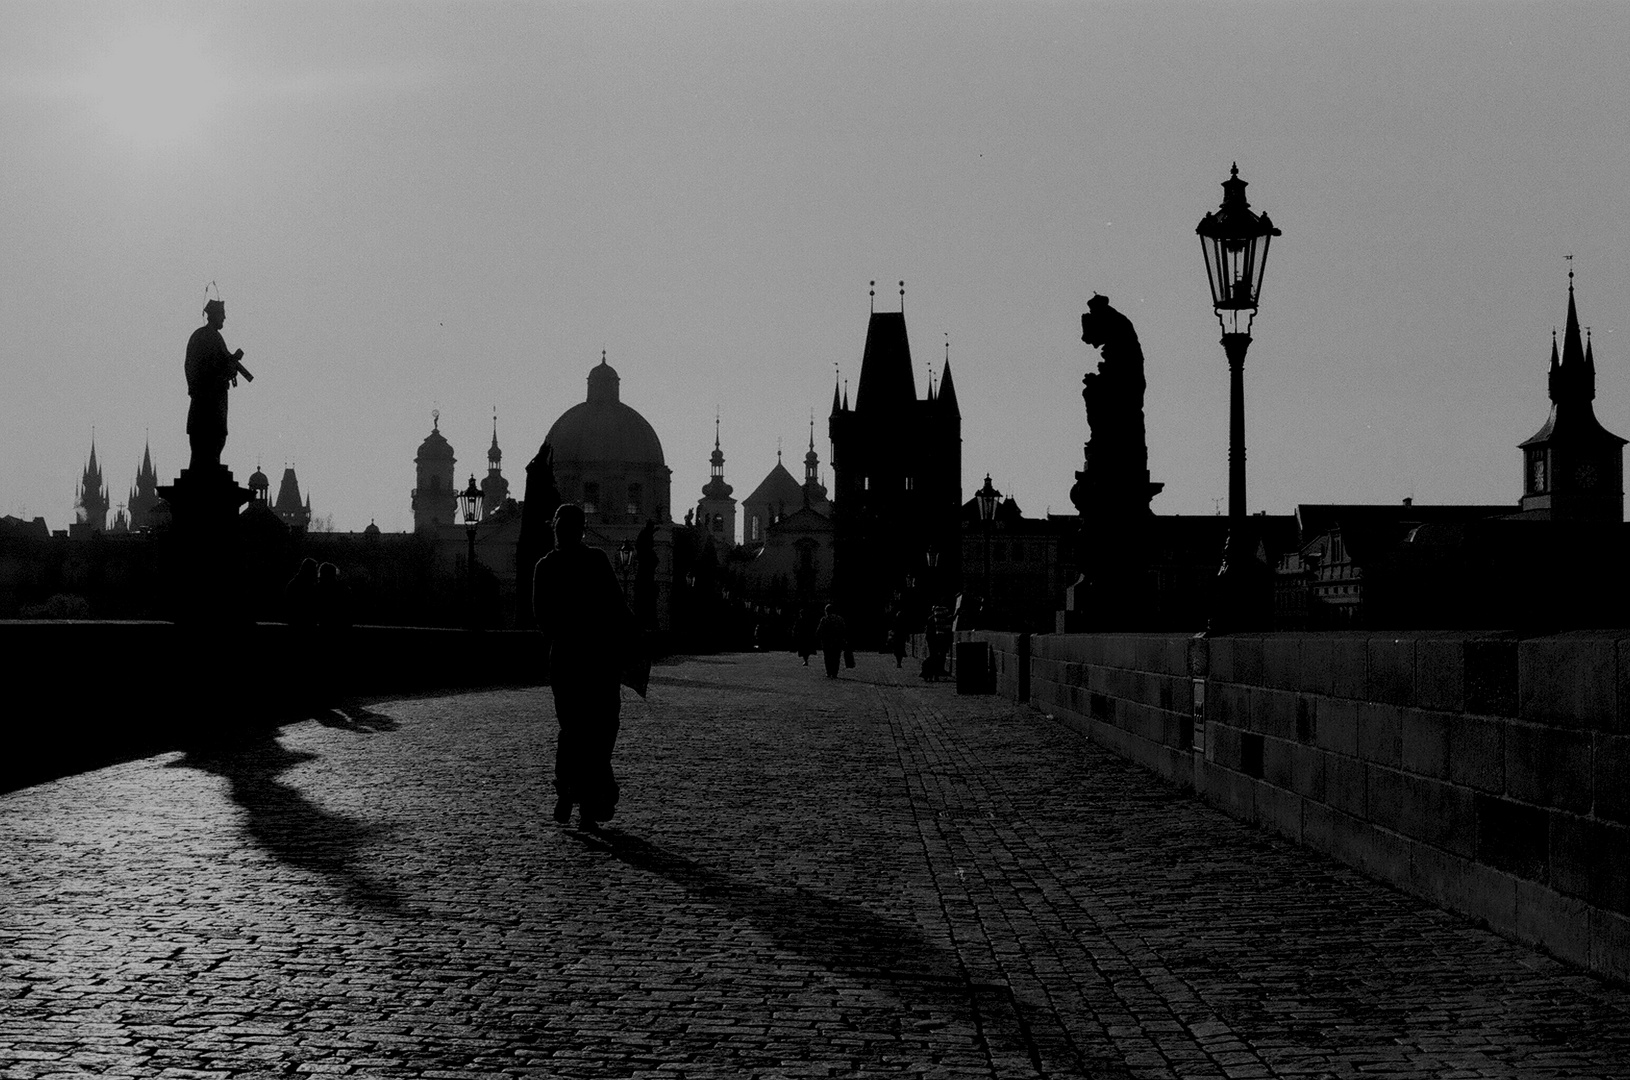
202	573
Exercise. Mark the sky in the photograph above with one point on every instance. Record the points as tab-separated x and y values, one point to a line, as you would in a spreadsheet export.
456	207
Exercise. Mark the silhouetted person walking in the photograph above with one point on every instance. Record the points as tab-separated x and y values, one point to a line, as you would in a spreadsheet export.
832	635
211	369
581	613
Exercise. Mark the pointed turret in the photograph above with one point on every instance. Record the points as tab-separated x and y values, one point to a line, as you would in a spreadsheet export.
716	512
814	491
837	407
494	488
947	398
1573	468
288	506
716	488
92	499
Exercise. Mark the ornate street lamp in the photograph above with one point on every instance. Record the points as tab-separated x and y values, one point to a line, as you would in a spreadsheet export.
625	560
1235	244
469	508
987	497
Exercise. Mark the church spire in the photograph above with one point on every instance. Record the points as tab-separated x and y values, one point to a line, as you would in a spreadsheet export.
1573	376
1573	467
716	488
92	500
812	461
1572	350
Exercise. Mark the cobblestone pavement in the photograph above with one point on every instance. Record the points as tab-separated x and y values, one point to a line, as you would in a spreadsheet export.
870	877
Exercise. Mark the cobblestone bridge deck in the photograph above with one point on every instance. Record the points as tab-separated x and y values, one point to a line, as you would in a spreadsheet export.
871	877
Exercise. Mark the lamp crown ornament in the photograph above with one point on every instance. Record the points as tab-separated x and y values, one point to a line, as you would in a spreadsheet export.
1235	243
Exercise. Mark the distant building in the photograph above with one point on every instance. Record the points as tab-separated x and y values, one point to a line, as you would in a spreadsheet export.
896	477
434	497
1539	561
90	499
259	489
1020	566
608	459
144	496
494	488
288	507
776	496
1573	468
716	512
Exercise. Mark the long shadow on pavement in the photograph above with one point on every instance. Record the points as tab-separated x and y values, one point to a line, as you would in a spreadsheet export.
287	824
884	953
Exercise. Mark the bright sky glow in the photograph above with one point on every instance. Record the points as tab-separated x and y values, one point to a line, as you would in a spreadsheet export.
157	86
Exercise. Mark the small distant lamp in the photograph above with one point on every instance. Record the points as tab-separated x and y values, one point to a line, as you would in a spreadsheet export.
469	508
987	497
625	560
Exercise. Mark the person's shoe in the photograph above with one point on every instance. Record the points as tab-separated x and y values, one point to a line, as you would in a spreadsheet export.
563	811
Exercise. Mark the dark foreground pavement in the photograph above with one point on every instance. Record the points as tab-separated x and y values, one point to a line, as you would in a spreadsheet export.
863	878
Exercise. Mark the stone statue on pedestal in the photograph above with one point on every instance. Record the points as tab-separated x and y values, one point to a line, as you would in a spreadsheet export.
211	369
1112	491
204	581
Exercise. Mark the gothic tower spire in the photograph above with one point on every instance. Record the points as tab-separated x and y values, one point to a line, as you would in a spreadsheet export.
1573	468
92	495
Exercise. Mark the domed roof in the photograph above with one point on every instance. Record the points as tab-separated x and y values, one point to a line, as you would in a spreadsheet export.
603	428
258	480
435	444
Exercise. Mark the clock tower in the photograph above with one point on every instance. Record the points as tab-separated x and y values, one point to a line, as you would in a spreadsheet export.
1573	468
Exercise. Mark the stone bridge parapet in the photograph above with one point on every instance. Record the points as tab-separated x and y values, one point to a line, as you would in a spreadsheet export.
1487	773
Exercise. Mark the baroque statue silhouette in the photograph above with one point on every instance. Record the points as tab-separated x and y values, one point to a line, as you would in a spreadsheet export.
1115	476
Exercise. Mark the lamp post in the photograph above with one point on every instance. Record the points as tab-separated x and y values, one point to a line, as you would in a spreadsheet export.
625	559
1235	244
987	497
469	508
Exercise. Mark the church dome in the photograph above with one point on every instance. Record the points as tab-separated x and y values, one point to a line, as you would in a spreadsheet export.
603	429
435	445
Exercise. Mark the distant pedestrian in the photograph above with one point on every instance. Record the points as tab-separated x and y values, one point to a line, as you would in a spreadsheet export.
587	626
832	635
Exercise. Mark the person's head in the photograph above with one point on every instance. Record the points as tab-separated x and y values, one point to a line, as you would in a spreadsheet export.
831	609
215	313
328	573
308	568
568	525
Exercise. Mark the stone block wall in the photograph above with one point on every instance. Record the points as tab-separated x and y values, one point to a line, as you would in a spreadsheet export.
140	687
1486	773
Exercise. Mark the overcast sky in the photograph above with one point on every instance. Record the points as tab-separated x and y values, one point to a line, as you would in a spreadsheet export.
418	206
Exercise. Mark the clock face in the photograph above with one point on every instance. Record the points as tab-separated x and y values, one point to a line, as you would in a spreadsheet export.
1585	476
